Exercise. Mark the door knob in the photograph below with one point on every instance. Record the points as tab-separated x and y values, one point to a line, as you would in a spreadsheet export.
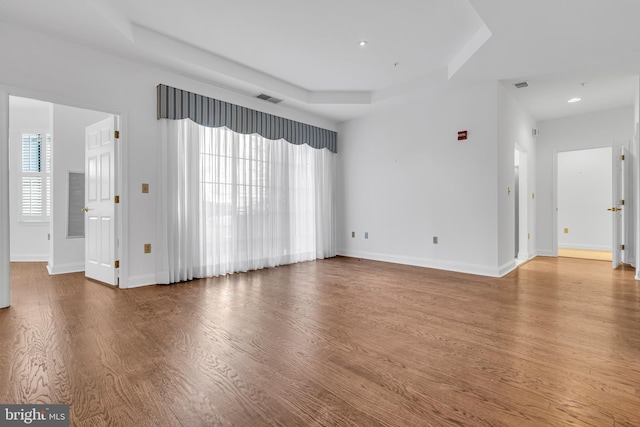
87	209
614	209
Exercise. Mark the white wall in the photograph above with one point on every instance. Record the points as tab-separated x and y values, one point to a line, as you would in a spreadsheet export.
595	130
403	177
69	123
5	251
635	152
83	77
584	194
29	240
515	128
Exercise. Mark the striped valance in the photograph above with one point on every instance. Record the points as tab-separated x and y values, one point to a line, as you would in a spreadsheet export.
177	104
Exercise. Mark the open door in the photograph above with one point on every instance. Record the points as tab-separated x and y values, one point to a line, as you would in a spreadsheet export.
99	208
621	219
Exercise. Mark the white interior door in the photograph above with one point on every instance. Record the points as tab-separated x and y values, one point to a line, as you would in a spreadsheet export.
99	202
628	228
617	205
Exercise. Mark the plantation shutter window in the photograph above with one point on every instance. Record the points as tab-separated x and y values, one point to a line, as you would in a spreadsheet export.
36	176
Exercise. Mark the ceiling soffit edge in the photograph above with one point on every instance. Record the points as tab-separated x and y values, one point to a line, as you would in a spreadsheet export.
180	56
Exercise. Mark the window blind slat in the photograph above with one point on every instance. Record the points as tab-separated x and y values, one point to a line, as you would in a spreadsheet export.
32	196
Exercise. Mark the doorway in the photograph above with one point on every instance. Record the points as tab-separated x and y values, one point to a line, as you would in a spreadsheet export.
584	191
521	205
56	238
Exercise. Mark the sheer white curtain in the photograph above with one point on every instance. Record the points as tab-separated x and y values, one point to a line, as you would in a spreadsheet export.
231	202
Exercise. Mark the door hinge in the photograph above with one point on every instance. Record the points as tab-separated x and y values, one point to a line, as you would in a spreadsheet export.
116	134
116	264
116	199
622	202
622	247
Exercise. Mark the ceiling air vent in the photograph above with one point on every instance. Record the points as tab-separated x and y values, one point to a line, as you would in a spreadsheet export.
521	85
268	98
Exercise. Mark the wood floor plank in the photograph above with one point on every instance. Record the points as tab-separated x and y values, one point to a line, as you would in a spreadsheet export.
339	342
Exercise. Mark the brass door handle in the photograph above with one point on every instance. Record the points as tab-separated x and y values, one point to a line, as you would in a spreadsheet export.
614	209
87	209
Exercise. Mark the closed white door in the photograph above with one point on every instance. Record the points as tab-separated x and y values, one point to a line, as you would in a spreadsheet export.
100	236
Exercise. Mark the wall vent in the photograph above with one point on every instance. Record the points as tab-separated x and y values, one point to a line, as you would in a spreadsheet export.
521	85
268	98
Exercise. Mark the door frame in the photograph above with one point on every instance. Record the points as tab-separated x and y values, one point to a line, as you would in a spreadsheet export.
121	176
5	286
555	188
523	204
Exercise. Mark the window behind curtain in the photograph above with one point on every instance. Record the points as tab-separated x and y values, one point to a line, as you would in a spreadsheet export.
231	202
257	199
36	176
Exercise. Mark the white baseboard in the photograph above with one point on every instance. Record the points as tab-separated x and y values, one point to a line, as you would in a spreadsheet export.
459	267
585	247
29	258
546	252
512	265
65	268
507	268
139	281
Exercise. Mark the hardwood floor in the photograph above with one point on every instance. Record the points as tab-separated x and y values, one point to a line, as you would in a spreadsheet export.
336	342
585	254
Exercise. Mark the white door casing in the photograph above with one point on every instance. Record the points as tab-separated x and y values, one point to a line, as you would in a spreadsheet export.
5	286
617	206
100	248
628	228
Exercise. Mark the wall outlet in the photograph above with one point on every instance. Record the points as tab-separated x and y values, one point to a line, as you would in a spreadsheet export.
353	234
147	248
435	240
366	234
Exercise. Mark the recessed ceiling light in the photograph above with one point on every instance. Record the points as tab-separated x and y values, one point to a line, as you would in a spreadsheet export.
362	43
572	100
